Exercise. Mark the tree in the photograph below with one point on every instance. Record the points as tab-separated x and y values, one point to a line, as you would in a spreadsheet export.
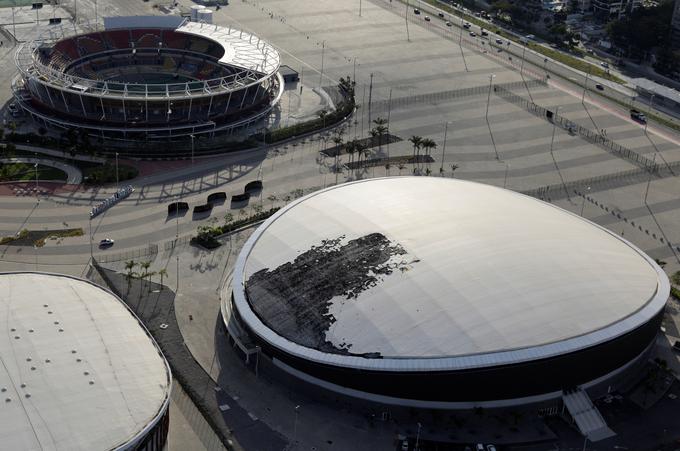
453	169
228	218
129	266
338	141
322	116
379	130
162	272
417	142
145	266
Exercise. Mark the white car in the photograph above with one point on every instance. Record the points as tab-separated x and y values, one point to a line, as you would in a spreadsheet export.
106	242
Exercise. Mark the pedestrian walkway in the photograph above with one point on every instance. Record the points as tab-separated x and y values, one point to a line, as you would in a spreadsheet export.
73	175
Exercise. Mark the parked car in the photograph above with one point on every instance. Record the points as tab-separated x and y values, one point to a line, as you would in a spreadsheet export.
106	242
466	25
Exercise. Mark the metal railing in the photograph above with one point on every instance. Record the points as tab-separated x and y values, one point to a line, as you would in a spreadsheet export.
404	102
557	190
585	133
150	250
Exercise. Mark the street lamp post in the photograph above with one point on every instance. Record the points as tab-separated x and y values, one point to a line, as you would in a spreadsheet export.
91	250
323	51
585	86
297	411
192	148
552	140
583	204
649	180
116	170
418	436
649	111
441	169
521	67
488	98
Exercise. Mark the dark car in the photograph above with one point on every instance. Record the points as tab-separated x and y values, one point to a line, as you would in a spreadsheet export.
416	11
106	242
441	15
599	87
427	18
638	116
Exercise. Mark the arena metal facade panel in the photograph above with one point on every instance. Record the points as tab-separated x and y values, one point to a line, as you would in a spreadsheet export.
439	290
79	370
168	79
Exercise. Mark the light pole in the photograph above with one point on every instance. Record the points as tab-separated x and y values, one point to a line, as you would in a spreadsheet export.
408	36
583	204
297	411
552	140
649	180
91	250
192	148
370	96
116	171
585	86
649	111
323	51
35	166
545	66
505	177
488	98
441	169
417	436
354	74
521	67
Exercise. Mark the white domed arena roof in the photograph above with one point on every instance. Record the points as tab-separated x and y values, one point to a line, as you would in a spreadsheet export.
428	273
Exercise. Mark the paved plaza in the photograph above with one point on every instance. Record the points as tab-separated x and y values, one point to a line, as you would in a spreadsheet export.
488	138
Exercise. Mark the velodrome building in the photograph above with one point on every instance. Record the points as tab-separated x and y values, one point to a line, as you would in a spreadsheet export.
79	370
440	293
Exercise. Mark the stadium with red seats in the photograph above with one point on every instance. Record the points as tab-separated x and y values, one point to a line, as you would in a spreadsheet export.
148	79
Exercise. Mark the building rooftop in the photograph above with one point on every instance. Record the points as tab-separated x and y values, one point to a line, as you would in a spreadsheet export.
452	273
241	49
79	371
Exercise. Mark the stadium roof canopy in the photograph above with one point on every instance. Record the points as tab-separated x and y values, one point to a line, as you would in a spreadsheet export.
430	273
241	49
79	372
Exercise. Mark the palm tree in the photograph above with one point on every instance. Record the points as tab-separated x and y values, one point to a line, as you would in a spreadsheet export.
453	169
428	146
350	148
145	266
322	116
380	130
337	140
129	266
417	141
162	272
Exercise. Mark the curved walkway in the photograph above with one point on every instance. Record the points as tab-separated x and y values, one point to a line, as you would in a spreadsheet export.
73	175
